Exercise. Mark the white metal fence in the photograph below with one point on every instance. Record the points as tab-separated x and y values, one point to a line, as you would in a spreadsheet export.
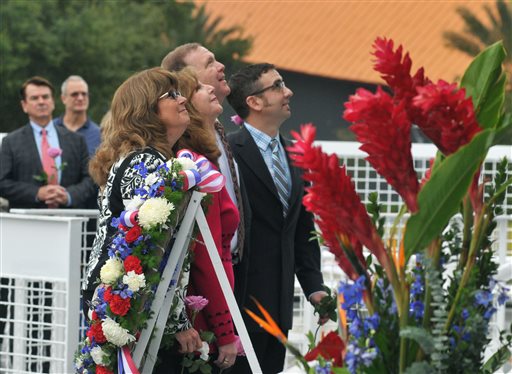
41	270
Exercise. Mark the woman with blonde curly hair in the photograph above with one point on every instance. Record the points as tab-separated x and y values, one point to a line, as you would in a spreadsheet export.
148	115
223	219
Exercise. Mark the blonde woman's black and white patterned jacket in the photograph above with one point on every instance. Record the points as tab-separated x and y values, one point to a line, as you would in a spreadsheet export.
122	181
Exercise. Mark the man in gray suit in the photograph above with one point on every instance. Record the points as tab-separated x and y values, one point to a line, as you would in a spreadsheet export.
21	157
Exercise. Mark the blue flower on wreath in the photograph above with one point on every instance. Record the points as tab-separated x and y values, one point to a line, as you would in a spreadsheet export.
141	191
141	169
163	167
125	292
154	190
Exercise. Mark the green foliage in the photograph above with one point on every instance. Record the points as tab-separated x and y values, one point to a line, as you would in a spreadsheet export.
496	361
102	41
420	336
374	209
484	81
434	281
440	197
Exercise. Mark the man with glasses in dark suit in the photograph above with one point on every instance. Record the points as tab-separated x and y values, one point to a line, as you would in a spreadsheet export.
280	227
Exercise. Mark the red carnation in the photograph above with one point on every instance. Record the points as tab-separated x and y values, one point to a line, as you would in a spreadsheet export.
330	347
132	263
448	116
95	332
384	130
103	370
107	295
119	306
122	227
94	315
133	234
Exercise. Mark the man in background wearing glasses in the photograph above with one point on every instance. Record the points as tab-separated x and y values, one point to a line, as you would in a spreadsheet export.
280	226
75	97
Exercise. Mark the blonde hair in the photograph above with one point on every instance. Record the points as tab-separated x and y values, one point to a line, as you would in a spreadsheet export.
134	123
197	137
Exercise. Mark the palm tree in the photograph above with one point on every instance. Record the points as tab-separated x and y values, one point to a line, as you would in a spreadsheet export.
477	35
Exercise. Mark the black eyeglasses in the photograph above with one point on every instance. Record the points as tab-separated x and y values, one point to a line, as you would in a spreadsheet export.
277	85
172	94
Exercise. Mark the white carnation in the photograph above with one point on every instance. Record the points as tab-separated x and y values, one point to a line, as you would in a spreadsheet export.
133	204
111	271
204	350
186	163
154	211
134	281
115	334
151	179
97	355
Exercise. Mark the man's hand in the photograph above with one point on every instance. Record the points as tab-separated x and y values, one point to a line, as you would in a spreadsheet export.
189	340
325	305
52	195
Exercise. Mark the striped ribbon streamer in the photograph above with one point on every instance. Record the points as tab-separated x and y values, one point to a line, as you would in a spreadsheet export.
125	364
206	178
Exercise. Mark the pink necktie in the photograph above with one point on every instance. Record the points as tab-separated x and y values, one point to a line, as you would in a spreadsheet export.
48	162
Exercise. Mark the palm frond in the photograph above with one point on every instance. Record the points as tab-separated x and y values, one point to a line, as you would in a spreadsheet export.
461	42
473	26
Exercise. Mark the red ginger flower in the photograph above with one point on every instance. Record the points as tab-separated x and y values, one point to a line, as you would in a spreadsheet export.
448	117
330	347
334	200
384	130
396	71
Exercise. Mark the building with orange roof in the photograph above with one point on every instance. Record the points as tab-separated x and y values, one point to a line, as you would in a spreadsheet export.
322	48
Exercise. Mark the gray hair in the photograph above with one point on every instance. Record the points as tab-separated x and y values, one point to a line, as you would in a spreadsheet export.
75	78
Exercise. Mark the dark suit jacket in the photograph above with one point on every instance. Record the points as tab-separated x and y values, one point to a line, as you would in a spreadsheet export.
279	246
20	161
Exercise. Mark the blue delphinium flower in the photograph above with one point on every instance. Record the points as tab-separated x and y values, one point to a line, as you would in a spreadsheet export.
483	298
465	314
361	348
416	309
141	169
503	295
352	293
323	369
154	190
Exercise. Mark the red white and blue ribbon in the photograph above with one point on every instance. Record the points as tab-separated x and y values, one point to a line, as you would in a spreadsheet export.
206	178
129	217
125	364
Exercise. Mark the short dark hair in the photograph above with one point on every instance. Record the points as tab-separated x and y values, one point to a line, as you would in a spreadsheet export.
37	81
175	60
243	83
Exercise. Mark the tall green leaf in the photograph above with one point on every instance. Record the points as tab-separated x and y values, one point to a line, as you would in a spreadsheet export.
484	82
440	197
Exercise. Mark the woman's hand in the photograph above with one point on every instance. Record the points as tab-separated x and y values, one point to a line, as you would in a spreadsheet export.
189	340
227	356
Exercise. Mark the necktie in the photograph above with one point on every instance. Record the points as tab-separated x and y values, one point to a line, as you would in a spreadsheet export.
238	251
48	162
279	175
